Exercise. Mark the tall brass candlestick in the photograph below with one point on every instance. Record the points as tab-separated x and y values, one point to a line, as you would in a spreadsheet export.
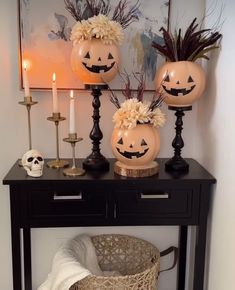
58	163
28	103
73	171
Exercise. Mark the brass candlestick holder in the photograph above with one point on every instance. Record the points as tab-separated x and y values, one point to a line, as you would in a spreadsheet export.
28	103
73	171
58	163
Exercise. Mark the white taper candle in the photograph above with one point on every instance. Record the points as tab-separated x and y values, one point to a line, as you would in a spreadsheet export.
72	128
54	94
25	80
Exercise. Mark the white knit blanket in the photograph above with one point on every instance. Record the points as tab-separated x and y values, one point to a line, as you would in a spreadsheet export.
71	264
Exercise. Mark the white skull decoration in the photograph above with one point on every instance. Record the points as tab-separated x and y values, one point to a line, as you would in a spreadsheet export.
32	162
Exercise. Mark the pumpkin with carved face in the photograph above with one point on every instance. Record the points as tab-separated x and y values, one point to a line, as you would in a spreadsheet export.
95	62
181	82
136	147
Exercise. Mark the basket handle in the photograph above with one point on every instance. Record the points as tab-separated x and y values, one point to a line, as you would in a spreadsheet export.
168	251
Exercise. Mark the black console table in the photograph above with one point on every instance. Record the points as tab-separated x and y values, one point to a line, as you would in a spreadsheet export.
106	199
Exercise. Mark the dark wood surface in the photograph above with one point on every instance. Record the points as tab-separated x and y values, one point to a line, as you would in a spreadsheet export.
107	199
196	173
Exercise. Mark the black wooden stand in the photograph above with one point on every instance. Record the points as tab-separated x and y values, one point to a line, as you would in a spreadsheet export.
177	163
96	161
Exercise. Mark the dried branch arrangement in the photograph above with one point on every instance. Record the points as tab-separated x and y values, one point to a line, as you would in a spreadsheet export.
83	11
194	44
125	18
138	93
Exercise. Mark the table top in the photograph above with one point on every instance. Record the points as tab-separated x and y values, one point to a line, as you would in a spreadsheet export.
17	174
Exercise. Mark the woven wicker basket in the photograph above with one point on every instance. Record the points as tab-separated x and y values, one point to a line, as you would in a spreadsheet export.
136	260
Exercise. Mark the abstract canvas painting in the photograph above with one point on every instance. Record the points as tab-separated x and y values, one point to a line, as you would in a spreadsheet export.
45	28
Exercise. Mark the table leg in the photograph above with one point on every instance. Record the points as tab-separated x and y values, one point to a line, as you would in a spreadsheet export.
27	259
183	235
15	242
200	249
16	257
198	280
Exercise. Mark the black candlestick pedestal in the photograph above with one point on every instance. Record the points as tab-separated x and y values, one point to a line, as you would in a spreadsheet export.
177	163
96	161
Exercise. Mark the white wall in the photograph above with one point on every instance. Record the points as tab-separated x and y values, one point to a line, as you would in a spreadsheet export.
215	143
14	142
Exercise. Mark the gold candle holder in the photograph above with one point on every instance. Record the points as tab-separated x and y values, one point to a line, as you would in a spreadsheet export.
73	171
28	103
57	163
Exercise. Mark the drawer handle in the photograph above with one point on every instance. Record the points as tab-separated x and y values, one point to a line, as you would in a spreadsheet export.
67	197
154	196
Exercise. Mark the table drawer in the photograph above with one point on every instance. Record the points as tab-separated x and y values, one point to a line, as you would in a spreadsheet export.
156	203
64	203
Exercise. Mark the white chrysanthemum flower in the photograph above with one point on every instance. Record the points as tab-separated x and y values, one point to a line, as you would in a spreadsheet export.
110	32
158	119
81	31
133	112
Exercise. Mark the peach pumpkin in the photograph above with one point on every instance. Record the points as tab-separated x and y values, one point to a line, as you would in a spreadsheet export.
136	147
181	82
95	62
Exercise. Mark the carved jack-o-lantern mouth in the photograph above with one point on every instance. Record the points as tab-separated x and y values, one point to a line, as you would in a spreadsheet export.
178	92
98	68
137	147
131	155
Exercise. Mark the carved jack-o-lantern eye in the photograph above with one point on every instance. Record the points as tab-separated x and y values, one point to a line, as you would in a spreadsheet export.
110	56
87	55
143	143
120	141
167	78
190	79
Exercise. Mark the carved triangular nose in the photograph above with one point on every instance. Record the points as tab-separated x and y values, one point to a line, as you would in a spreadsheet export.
131	146
178	82
36	162
99	59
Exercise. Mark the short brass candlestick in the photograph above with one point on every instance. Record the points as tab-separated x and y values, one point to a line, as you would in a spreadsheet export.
28	103
73	171
58	163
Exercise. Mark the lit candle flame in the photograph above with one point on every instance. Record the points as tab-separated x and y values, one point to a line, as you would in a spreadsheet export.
71	94
25	65
54	77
